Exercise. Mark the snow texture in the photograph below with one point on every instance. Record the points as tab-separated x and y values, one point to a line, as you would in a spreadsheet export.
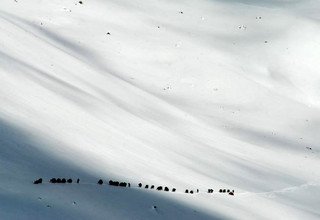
192	94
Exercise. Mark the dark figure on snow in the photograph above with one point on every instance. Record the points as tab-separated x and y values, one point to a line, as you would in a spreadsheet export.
58	180
53	180
37	181
159	188
63	180
166	189
147	187
231	193
140	185
78	180
100	182
197	190
123	184
114	183
187	191
129	185
174	189
69	181
224	190
191	191
152	187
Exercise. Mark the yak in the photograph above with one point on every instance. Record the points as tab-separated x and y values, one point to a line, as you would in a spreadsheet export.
123	184
38	181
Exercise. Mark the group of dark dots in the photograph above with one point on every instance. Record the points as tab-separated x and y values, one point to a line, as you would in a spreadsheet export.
230	192
62	180
56	180
159	188
140	185
191	191
115	183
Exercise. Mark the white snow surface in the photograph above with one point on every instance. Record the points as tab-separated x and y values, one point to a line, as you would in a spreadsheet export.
192	94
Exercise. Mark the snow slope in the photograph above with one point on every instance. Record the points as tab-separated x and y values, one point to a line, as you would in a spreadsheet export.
186	94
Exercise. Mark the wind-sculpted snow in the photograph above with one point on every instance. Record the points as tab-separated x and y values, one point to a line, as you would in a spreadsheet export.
203	94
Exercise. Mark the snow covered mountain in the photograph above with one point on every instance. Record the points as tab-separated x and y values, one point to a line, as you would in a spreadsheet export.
186	94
